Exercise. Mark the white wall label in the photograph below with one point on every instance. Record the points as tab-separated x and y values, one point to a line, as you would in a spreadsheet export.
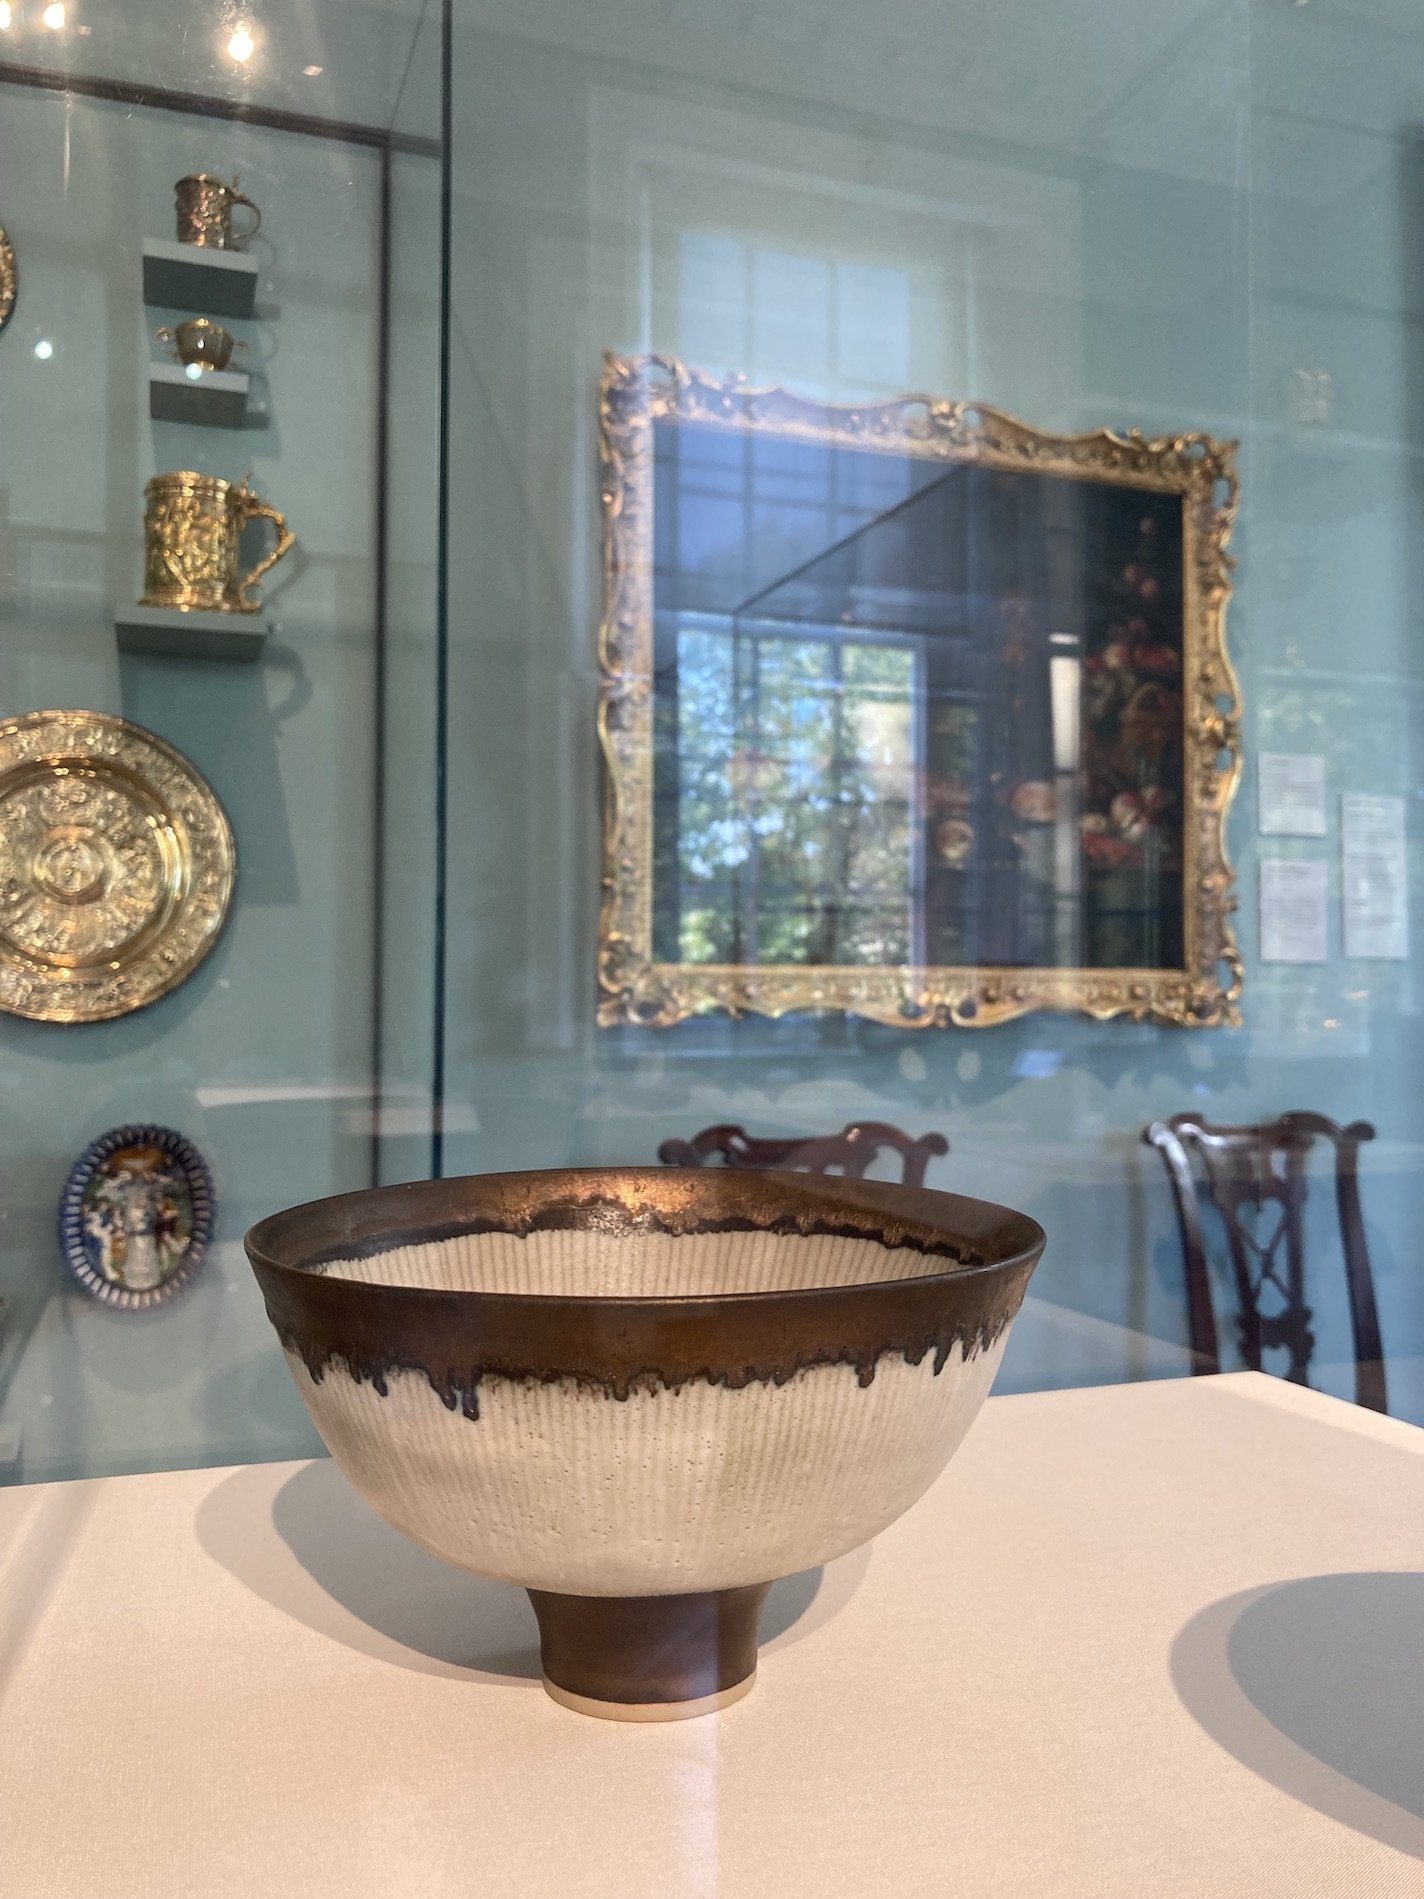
1294	914
1290	794
1374	881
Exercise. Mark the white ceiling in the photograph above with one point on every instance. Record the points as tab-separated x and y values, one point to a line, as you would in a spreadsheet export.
1046	73
378	59
1164	84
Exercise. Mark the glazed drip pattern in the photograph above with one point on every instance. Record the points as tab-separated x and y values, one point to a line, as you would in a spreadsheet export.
589	1263
703	1487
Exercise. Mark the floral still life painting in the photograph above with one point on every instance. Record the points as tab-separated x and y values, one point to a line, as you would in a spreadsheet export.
910	710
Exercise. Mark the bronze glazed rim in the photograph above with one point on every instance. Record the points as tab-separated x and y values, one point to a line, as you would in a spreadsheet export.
300	1241
624	1343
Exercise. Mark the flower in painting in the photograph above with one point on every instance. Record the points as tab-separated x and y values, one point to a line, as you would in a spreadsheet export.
1034	801
950	792
1103	850
954	842
1156	660
1129	813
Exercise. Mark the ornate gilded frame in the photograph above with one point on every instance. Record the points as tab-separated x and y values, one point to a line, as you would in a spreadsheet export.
638	391
9	278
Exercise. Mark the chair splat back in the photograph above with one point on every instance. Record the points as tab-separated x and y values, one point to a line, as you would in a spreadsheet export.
850	1152
1252	1171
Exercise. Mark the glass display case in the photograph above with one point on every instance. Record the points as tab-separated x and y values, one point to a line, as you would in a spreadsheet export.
1197	223
290	1042
415	735
607	611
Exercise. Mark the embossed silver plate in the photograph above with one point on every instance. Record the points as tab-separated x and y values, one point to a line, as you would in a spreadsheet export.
116	867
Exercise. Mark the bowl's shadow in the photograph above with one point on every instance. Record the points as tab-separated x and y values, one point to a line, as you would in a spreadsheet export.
336	1566
1318	1686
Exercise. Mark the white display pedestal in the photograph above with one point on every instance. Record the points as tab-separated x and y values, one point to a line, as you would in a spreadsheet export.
1142	1640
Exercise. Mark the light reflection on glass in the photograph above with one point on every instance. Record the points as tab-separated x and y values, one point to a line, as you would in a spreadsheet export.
911	714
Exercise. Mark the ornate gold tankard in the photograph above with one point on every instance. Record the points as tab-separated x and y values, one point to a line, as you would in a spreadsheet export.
205	206
192	528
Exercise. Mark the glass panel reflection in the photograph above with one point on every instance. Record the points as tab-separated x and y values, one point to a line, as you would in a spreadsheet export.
910	713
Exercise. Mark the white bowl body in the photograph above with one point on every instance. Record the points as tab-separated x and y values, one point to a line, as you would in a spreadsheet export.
561	1485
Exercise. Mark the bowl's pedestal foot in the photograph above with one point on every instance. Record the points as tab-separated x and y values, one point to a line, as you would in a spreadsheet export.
649	1658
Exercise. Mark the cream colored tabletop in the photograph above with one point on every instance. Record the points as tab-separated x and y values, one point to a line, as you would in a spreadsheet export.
1166	1638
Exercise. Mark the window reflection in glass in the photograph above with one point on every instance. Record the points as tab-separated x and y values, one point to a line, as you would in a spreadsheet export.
912	713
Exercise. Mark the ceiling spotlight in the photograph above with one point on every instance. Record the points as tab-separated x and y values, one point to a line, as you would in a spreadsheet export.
242	45
7	17
53	16
44	349
313	72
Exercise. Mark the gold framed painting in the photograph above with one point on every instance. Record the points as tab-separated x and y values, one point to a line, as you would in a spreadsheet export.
910	710
9	278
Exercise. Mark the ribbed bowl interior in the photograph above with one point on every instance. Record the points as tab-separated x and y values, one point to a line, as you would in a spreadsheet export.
646	1265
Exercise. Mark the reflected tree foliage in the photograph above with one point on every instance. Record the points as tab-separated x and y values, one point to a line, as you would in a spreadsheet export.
796	796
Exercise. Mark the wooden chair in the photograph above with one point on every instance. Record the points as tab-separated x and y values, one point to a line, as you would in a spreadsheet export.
850	1152
1246	1167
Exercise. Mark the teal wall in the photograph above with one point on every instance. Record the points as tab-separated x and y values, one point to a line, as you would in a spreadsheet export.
1143	215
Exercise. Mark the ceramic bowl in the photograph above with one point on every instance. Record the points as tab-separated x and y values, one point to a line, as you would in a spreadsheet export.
643	1394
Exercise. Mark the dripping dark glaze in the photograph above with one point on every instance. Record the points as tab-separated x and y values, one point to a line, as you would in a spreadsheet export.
461	1391
621	1344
